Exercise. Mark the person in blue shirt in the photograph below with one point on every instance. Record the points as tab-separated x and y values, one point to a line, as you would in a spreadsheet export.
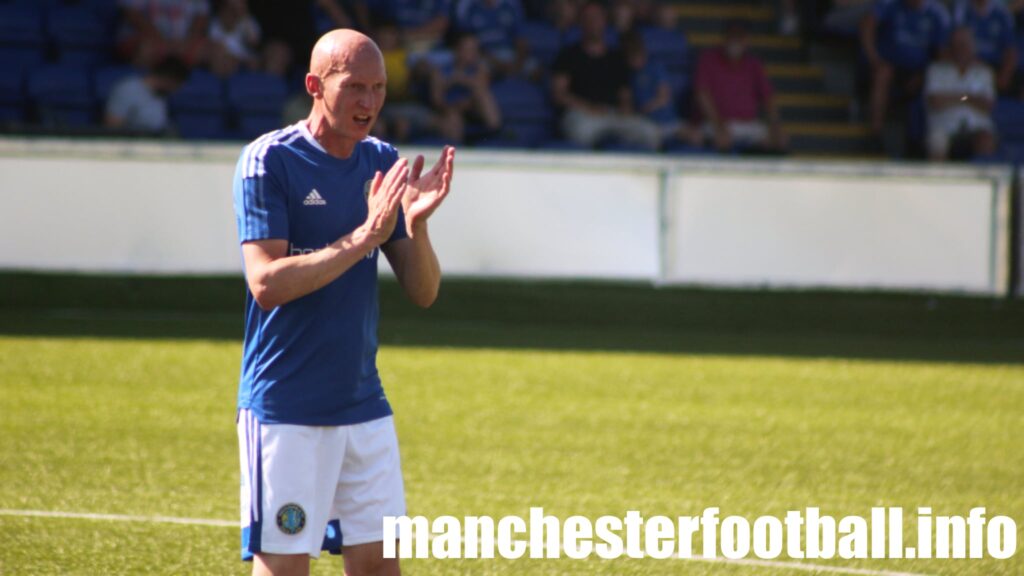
651	90
496	23
899	39
316	203
993	29
424	23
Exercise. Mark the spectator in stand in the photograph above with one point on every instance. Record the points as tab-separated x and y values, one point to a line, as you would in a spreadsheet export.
496	24
899	39
961	93
289	30
623	16
152	30
563	15
993	30
844	17
735	98
651	91
590	84
424	23
463	91
404	116
234	38
138	104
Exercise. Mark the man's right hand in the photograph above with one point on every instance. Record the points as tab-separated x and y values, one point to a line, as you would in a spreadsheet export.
383	202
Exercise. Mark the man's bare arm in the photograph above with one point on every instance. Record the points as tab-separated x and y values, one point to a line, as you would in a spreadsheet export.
274	278
413	258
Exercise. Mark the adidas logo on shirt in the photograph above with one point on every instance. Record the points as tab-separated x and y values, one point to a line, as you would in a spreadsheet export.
314	199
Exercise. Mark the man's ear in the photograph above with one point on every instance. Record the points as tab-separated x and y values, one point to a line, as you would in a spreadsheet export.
314	87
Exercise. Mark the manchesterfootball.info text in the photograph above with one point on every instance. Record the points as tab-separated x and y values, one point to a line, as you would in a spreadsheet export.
799	534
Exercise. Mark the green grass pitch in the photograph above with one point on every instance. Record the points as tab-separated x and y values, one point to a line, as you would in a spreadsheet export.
116	396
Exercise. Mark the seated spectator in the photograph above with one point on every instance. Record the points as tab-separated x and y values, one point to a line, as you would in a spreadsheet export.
651	91
403	116
623	16
234	38
590	84
289	30
844	17
138	104
496	24
960	93
734	95
424	23
899	39
152	30
463	91
993	26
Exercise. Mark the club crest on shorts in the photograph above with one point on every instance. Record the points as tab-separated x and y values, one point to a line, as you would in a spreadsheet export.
291	518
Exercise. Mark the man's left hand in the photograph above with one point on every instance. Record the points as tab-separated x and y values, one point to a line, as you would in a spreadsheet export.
425	192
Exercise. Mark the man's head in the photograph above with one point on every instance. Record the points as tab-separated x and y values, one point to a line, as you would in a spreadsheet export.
467	49
167	76
634	49
347	81
961	46
593	21
735	38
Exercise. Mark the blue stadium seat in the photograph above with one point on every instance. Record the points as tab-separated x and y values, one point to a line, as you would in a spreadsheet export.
669	47
62	95
525	111
79	35
574	34
104	79
543	39
1009	120
258	101
521	100
255	92
198	107
13	98
21	26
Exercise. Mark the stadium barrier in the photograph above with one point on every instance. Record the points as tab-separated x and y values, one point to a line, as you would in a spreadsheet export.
166	208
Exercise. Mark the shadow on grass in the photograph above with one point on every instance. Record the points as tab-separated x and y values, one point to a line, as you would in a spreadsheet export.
551	315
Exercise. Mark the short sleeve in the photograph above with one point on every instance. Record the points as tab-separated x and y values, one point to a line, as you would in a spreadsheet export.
261	202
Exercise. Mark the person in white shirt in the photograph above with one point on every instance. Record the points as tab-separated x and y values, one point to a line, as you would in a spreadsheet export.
234	37
960	95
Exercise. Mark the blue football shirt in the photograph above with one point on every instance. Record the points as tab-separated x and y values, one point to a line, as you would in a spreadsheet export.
311	361
497	27
908	37
993	29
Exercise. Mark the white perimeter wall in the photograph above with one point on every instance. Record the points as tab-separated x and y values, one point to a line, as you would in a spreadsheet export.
166	208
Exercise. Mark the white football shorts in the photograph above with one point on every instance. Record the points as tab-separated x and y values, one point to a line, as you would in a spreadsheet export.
310	488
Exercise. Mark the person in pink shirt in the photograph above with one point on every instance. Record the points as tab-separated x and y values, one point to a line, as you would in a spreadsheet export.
734	97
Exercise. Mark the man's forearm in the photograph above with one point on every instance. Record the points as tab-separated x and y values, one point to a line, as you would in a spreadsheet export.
417	268
281	280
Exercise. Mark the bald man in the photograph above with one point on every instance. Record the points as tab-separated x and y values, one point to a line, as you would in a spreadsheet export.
315	204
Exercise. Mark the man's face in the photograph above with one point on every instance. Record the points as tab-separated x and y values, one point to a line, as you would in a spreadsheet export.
962	46
736	43
593	22
353	95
